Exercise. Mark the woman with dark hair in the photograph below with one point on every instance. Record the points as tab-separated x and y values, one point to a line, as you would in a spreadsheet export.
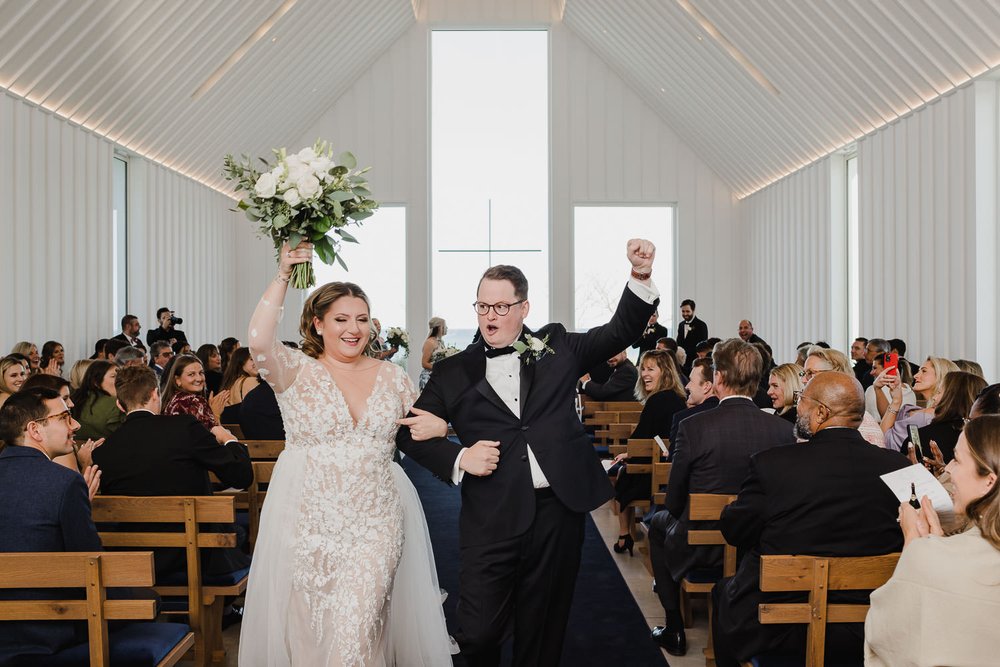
226	349
53	358
184	392
945	590
211	361
660	389
240	379
95	405
99	349
952	404
331	545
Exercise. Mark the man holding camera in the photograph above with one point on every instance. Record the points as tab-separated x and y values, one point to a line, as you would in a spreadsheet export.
166	331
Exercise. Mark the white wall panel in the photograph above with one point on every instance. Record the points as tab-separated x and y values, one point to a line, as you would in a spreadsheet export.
916	183
607	146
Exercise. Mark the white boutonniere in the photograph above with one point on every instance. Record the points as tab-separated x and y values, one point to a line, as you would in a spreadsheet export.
532	349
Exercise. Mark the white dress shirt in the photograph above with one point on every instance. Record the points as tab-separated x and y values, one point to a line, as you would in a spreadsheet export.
504	374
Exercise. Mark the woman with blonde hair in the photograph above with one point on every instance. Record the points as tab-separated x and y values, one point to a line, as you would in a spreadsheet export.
940	606
78	371
898	417
13	373
331	546
438	329
660	389
820	360
782	386
30	351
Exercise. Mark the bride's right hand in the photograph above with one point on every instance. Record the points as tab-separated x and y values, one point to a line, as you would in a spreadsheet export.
289	257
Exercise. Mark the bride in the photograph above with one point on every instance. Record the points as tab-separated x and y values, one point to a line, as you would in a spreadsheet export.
333	581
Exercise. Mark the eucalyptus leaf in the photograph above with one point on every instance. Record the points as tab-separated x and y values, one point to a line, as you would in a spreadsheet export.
250	215
346	236
340	261
360	215
362	191
280	221
294	239
348	160
338	210
340	195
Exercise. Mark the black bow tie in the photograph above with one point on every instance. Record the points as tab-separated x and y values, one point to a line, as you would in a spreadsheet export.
499	351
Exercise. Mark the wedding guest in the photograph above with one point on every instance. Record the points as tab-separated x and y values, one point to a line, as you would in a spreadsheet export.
13	373
211	361
184	392
99	350
30	351
160	354
438	329
940	606
130	332
82	456
703	350
700	397
898	345
130	356
260	416
970	367
94	403
987	403
858	352
240	379
182	347
898	417
953	403
783	384
652	333
746	333
877	347
875	406
112	347
78	371
226	349
801	352
761	398
166	329
690	332
619	387
660	389
821	360
53	358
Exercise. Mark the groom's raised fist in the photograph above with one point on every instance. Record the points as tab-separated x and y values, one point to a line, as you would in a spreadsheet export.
481	459
640	254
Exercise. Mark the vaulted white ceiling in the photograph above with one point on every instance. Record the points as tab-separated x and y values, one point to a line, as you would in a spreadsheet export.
828	71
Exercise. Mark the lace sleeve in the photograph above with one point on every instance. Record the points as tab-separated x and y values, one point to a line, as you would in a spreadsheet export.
278	364
404	386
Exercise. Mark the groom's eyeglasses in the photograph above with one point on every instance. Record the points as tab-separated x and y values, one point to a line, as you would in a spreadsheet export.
500	309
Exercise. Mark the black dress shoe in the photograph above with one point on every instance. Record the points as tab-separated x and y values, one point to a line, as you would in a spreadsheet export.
673	642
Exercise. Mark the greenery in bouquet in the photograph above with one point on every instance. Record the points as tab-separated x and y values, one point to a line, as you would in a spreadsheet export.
443	353
307	196
397	337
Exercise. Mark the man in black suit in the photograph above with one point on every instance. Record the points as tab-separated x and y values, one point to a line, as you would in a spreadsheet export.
45	508
746	333
862	368
652	333
620	386
166	330
169	455
160	354
876	348
701	396
528	470
130	332
690	332
819	498
711	454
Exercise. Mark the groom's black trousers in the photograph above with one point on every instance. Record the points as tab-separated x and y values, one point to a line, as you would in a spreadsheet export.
525	585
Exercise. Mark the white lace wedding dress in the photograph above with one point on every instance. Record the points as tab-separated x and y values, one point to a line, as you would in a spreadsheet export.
343	572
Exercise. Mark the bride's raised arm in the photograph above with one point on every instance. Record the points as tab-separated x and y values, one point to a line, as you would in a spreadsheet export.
278	365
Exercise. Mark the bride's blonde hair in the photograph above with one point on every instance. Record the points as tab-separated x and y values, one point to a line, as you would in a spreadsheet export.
317	305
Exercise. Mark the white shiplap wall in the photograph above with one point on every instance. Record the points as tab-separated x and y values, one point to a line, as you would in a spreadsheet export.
920	279
57	251
55	222
607	146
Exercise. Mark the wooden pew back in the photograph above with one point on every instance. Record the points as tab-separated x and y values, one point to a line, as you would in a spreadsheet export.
264	449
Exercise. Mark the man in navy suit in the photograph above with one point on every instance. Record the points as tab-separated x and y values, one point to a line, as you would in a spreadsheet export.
46	507
528	469
701	395
711	454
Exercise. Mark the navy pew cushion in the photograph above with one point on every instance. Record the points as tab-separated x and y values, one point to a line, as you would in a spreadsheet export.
136	645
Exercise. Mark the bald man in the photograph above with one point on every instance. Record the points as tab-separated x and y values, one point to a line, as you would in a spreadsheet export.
822	497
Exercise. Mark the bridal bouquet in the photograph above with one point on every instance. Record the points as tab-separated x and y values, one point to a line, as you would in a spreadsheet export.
443	353
306	196
397	337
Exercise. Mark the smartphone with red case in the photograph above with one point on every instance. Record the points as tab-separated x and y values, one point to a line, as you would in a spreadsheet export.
890	362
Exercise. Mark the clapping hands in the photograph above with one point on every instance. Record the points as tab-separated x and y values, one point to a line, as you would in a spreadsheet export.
935	465
919	524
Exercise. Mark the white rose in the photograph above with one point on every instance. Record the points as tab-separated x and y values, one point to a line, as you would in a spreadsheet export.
307	155
321	167
296	169
308	186
265	185
291	196
536	345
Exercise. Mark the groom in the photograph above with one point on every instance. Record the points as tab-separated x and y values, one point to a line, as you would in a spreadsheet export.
528	470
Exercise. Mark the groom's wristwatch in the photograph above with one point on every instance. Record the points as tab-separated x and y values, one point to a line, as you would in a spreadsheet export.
641	276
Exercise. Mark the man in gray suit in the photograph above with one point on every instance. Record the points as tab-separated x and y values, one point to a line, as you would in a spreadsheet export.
711	454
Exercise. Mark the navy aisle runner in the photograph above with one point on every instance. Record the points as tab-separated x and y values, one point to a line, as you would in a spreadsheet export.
606	626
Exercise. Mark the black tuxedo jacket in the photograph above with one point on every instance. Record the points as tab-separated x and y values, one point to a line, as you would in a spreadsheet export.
648	340
711	454
822	498
708	404
171	455
688	337
138	341
159	333
502	505
619	387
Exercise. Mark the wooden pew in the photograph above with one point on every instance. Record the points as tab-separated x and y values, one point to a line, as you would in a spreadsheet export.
205	602
262	472
706	507
95	572
235	429
659	479
818	576
264	450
